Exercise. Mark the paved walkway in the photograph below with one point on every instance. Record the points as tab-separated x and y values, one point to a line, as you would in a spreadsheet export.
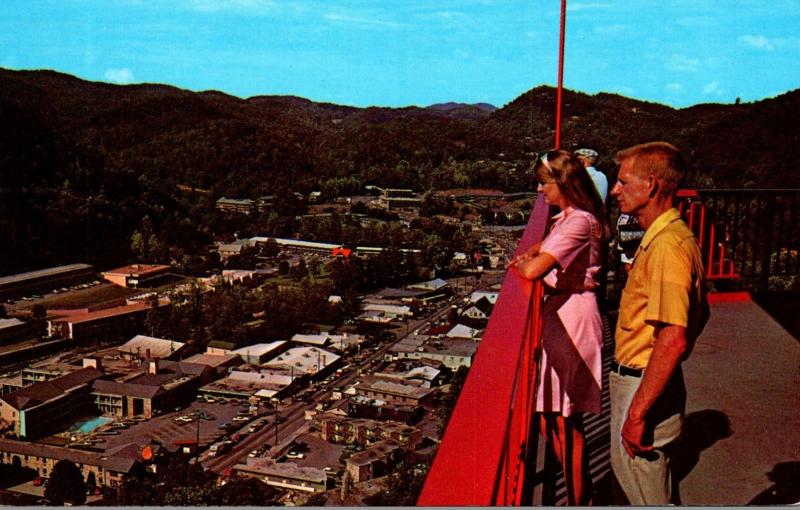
743	411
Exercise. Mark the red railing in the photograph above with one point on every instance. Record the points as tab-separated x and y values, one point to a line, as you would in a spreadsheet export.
482	457
716	253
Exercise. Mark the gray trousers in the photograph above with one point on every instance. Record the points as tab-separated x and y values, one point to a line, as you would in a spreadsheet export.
646	479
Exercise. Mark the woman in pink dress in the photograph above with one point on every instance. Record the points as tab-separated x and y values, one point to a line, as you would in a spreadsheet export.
568	261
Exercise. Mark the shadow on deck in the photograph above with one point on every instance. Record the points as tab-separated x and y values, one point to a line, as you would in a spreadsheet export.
741	442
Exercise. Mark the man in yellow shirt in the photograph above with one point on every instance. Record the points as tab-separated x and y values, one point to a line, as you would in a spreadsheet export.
662	310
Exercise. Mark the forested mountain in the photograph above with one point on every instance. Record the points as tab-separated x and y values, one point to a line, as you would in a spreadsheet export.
82	164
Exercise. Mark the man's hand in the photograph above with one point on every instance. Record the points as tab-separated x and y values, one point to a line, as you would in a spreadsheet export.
632	435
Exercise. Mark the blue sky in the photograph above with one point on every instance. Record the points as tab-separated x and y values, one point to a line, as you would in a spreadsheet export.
403	52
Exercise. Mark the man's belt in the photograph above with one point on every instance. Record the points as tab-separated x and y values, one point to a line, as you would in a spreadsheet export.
623	370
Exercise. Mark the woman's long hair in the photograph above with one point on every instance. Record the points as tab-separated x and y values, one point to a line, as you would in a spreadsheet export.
574	182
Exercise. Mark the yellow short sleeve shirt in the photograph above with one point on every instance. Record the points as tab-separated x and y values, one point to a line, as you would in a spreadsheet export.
665	285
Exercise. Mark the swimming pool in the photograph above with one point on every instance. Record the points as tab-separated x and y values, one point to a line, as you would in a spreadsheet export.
86	425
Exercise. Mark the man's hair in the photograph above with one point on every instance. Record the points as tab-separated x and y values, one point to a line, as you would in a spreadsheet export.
661	159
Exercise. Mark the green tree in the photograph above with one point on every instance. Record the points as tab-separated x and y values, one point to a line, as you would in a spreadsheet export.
38	316
245	491
66	484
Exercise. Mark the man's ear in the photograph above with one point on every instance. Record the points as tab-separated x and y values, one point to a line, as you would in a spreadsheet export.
653	186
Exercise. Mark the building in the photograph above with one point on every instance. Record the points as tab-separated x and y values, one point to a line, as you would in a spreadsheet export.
258	354
318	340
136	275
110	324
480	294
44	407
43	280
143	347
338	429
479	310
284	475
13	330
219	363
236	205
109	468
390	311
376	461
308	361
260	385
298	247
395	392
451	352
359	406
164	385
463	331
398	199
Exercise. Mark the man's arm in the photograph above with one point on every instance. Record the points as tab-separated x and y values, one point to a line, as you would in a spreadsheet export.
670	345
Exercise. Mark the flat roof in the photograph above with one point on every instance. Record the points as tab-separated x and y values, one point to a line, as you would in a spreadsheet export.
158	347
137	269
259	349
10	323
100	314
318	339
42	273
116	463
263	465
211	360
303	360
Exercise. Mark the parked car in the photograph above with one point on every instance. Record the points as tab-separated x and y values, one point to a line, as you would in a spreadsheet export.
295	455
253	453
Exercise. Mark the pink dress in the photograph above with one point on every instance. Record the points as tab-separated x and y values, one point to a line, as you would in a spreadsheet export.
572	331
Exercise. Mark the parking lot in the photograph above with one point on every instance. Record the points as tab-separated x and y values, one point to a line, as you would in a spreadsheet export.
203	422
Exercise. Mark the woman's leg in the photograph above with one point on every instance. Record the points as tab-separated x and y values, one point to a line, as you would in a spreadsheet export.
549	429
566	437
574	460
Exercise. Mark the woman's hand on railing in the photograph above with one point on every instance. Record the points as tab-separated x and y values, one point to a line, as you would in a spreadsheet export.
532	267
527	254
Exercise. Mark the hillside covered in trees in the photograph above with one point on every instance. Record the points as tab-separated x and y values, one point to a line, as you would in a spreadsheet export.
84	165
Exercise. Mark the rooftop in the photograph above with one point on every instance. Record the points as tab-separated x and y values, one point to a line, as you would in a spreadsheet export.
137	270
42	273
142	345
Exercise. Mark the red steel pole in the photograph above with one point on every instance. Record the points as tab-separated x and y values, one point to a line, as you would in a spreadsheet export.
559	90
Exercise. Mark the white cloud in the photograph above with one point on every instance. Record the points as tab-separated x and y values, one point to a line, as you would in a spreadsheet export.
225	5
682	63
451	14
584	6
610	29
758	42
695	21
360	20
673	88
121	76
713	89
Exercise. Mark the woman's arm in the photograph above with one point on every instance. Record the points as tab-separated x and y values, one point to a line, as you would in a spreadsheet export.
530	252
536	266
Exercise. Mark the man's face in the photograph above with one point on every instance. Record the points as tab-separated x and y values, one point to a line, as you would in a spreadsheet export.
631	191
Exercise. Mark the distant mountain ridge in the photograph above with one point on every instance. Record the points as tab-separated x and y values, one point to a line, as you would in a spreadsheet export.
454	106
84	165
206	138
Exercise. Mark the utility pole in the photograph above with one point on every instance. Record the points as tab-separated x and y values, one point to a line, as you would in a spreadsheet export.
275	403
